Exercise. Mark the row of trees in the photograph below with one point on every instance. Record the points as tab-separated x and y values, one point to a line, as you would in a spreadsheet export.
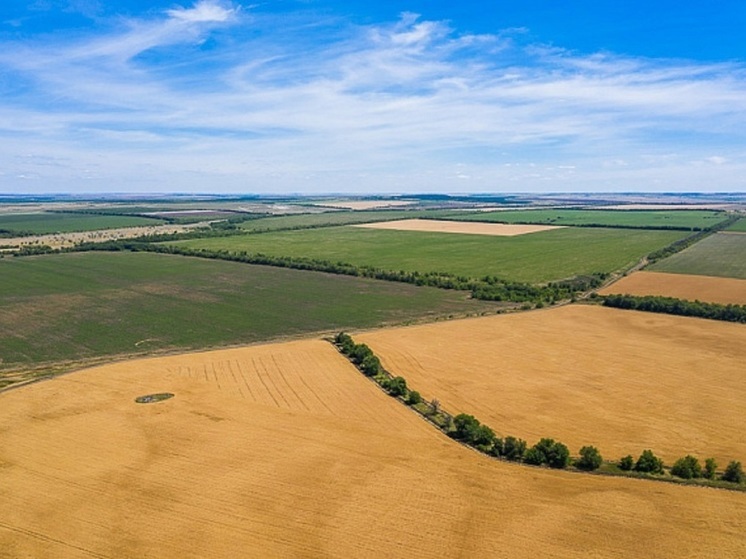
681	244
670	305
547	452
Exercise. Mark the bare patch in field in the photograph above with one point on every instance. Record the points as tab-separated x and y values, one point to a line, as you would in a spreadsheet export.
460	227
285	450
682	286
621	380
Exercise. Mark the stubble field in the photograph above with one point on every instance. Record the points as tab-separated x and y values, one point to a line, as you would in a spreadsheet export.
286	451
623	381
708	289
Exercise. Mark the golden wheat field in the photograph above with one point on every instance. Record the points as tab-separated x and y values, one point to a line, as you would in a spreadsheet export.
285	450
710	289
621	380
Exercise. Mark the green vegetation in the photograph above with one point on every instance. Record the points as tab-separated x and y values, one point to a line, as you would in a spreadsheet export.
548	452
83	305
687	467
590	459
330	219
733	472
739	226
649	463
537	257
627	463
45	223
680	307
722	255
647	219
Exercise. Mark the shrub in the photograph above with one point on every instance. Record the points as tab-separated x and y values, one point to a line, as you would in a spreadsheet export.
687	468
465	427
550	452
514	449
710	468
370	365
414	398
590	459
649	463
733	473
627	463
397	386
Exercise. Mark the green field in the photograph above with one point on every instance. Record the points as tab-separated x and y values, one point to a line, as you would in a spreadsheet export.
45	223
739	226
721	254
82	305
328	219
536	257
690	219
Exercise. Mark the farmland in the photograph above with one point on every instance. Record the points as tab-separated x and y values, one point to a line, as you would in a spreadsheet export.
537	257
459	227
739	226
709	289
75	306
722	254
45	223
285	451
620	380
682	219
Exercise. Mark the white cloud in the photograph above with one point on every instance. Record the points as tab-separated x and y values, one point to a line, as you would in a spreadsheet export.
388	106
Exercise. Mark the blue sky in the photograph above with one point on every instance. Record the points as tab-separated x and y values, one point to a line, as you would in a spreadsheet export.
318	96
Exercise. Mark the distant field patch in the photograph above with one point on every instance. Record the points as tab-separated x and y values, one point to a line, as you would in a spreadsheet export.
82	305
45	223
437	226
739	226
285	450
621	380
365	204
683	219
681	286
721	254
543	256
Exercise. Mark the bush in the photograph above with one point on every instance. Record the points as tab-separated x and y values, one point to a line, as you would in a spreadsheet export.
514	449
397	386
733	473
590	459
687	468
465	427
414	398
627	463
550	452
710	468
370	366
649	463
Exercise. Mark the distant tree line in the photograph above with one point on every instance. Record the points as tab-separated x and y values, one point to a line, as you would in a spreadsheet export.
468	430
680	307
681	244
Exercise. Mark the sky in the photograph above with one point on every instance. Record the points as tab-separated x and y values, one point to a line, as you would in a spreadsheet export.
328	96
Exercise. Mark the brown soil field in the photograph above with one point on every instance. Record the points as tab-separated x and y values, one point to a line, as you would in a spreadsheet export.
285	450
620	380
682	286
462	227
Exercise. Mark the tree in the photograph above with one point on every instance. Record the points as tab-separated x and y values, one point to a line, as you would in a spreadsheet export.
345	343
590	459
710	468
414	398
370	365
466	427
687	468
484	438
514	449
649	463
550	452
359	352
733	473
627	463
397	386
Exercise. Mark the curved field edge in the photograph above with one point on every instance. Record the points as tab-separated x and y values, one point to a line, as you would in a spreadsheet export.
316	463
623	381
690	287
534	258
87	305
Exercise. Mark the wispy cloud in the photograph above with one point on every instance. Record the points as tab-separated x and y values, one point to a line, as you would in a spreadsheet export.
215	97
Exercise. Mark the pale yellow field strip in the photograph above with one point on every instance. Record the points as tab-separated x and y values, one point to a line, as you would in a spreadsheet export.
62	240
682	286
621	380
286	451
666	207
461	227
